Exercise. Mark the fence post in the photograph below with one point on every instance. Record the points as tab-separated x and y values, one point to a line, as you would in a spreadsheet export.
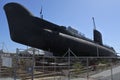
87	68
68	64
111	69
33	64
15	64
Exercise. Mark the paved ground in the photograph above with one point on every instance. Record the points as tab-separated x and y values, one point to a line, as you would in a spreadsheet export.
111	74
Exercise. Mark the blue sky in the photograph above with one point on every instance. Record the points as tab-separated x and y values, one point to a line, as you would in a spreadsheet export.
75	13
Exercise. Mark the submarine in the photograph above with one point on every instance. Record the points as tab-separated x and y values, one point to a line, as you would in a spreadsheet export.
36	32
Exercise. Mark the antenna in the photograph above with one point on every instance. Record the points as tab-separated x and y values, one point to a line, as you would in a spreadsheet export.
94	23
41	15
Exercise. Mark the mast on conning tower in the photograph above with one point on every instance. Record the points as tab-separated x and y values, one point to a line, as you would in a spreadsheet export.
41	15
94	23
97	36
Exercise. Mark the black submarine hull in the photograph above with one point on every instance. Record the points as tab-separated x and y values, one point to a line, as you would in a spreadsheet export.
39	33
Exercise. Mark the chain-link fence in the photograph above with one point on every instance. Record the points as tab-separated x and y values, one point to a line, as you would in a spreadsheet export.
39	67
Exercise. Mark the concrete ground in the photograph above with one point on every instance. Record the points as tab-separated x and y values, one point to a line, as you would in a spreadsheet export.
111	74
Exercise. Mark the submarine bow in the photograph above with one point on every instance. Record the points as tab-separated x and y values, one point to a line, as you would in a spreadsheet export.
39	33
